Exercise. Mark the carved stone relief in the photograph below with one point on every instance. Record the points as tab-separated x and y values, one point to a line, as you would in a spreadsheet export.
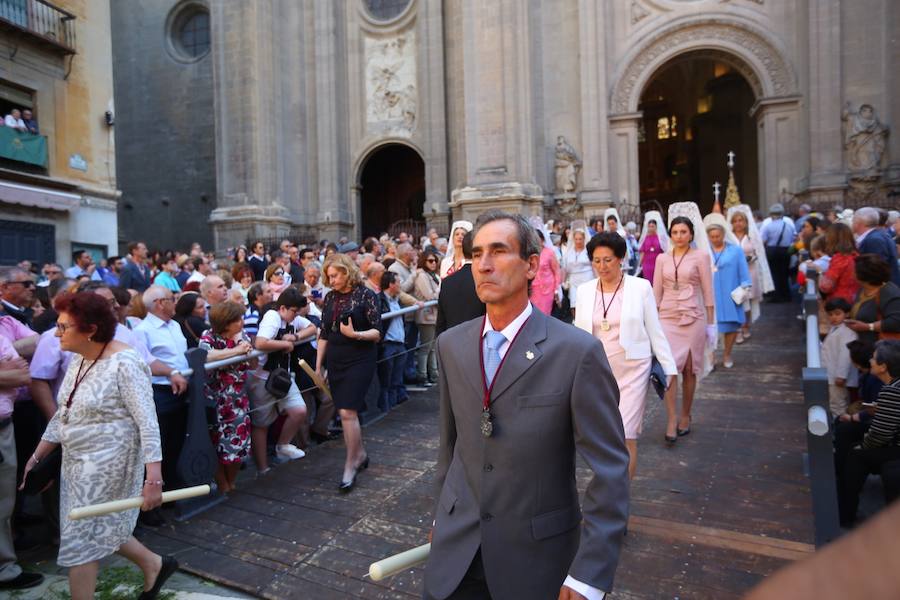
391	93
638	12
780	78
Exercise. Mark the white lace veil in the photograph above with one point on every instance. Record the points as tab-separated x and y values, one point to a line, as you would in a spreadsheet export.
447	261
713	219
692	212
653	215
765	273
620	227
577	225
538	224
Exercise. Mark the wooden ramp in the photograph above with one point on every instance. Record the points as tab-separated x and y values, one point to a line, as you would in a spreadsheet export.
725	507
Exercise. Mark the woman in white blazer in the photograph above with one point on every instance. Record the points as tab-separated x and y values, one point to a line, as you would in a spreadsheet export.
620	311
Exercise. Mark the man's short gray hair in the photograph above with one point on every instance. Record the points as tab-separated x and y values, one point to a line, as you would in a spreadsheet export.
868	216
154	293
7	273
529	242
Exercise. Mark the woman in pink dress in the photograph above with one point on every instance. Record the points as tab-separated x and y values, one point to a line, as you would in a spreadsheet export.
620	311
682	283
548	278
650	249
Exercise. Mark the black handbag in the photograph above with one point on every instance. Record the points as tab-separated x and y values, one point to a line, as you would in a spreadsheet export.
658	378
44	472
279	383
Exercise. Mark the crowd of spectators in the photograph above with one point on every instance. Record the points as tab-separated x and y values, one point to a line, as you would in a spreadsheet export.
324	302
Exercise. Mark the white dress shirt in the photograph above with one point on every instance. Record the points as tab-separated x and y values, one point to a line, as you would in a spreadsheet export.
510	332
166	343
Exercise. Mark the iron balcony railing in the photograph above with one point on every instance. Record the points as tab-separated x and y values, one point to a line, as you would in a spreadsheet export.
42	20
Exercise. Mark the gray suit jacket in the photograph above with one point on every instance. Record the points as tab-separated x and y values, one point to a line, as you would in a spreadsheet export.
514	494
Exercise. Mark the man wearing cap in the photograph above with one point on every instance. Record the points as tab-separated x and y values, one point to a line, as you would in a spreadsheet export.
351	249
777	235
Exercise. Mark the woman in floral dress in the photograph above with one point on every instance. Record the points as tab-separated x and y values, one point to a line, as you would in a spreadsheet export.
231	434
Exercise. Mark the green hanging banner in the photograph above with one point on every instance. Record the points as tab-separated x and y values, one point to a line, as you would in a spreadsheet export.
23	147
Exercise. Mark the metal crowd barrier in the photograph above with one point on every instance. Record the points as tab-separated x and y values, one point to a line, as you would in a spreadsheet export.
197	461
819	431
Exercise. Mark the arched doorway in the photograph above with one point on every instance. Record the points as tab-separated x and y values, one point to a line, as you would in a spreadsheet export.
695	110
392	191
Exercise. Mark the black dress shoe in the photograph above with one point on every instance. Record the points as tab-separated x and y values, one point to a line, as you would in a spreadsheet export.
321	439
22	581
169	566
671	439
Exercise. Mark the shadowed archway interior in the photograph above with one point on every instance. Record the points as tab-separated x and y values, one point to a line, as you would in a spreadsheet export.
695	110
392	189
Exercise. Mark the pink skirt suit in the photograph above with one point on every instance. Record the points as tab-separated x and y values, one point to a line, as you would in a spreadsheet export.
631	337
682	311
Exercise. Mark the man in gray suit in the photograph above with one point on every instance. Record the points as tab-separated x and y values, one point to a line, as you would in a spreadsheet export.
507	522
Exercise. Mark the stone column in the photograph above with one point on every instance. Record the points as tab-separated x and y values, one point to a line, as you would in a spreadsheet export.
826	170
779	162
593	27
432	117
496	121
334	215
246	154
623	148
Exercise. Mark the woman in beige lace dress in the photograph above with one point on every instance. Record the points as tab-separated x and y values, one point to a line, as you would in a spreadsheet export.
106	424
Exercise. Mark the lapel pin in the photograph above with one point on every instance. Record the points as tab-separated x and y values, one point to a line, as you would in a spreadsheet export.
529	355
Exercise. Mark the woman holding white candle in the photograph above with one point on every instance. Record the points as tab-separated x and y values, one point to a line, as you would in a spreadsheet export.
106	424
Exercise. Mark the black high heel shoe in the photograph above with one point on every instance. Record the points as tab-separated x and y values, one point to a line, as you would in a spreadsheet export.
684	432
346	486
671	439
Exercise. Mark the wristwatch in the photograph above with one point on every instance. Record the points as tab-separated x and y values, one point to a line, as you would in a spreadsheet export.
871	326
173	373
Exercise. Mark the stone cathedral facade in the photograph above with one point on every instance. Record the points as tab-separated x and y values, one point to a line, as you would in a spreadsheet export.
321	118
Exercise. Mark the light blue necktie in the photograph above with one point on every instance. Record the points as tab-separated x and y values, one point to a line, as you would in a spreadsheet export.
493	341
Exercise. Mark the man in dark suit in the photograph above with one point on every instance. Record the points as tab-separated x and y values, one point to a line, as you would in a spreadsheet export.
507	523
457	301
136	274
871	239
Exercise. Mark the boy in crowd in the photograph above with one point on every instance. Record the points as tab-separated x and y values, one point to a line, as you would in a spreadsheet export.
278	330
836	356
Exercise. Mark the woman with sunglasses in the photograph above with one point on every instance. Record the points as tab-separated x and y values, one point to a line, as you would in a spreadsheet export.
427	286
276	280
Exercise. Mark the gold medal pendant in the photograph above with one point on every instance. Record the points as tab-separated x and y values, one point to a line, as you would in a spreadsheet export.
604	325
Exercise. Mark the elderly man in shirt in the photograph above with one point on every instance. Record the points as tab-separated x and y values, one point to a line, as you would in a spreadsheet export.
17	294
777	235
163	337
871	239
14	121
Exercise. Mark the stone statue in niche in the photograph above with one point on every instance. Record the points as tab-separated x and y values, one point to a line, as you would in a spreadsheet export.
865	138
567	164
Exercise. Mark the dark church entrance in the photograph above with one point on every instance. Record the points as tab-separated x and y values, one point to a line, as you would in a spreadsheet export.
695	111
392	191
